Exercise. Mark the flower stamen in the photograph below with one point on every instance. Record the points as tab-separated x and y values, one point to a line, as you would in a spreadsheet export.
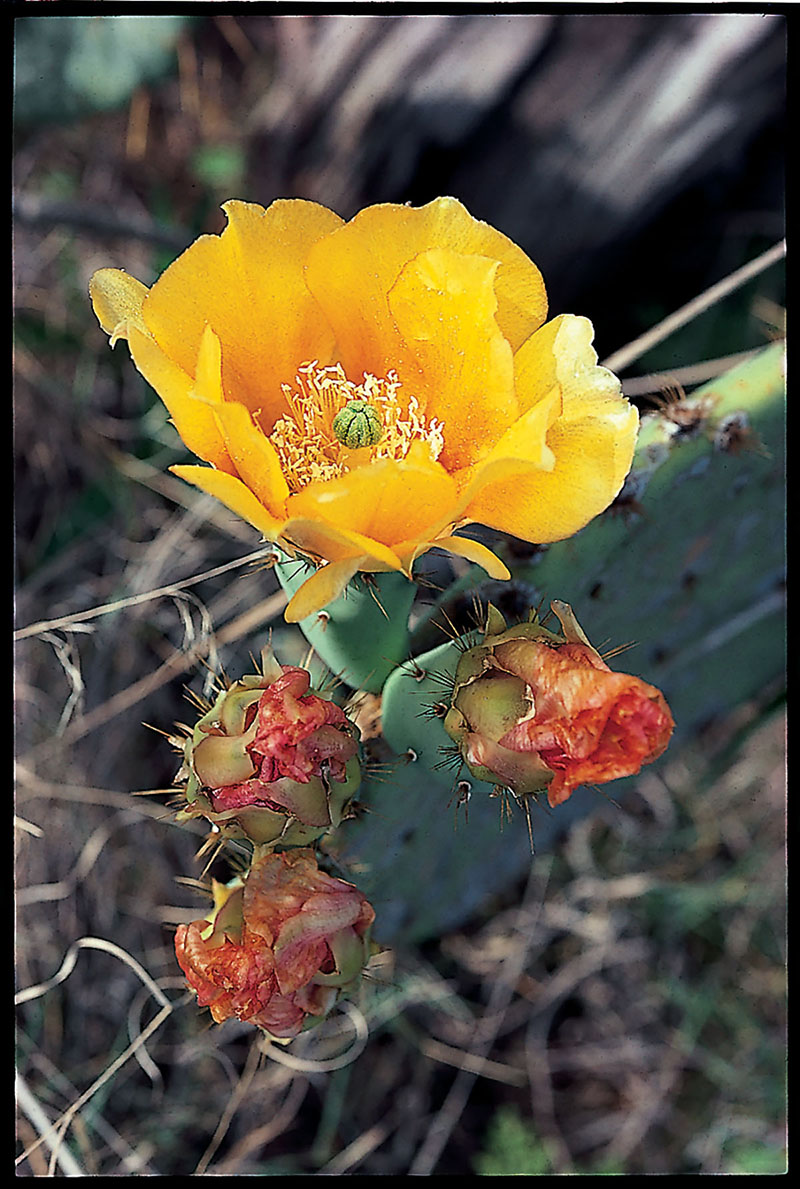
317	440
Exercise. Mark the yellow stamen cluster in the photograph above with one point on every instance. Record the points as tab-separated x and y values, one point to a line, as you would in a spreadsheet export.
307	445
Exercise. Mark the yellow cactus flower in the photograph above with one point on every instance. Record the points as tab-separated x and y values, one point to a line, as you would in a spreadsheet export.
362	390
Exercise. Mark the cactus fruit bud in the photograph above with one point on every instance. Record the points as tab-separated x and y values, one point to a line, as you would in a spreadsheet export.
271	761
280	946
534	710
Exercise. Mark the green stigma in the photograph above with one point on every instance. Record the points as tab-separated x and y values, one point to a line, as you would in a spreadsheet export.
358	424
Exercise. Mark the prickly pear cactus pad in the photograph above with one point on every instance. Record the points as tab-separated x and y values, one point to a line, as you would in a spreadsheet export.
687	565
345	632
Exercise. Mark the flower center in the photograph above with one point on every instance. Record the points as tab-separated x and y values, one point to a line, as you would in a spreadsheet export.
358	425
334	425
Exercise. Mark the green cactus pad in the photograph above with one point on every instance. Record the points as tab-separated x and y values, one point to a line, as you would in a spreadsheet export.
688	565
363	634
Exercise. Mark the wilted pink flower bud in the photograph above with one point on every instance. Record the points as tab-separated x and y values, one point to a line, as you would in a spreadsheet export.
532	710
272	761
280	946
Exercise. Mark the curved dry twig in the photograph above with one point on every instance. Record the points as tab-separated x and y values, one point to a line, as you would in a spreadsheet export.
68	965
173	588
326	1065
66	1118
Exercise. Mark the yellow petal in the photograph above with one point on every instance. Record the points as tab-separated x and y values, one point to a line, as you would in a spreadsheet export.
473	551
588	390
247	284
325	585
255	457
193	416
591	439
352	270
444	305
592	458
523	442
232	492
387	500
523	448
117	300
208	369
320	539
561	354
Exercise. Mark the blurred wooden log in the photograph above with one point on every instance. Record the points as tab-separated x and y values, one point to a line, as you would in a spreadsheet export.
358	94
569	132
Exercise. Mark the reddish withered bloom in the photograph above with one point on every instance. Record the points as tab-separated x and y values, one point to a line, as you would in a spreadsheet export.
532	710
271	760
279	947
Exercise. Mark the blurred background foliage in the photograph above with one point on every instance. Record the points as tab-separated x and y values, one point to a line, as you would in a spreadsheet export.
621	1012
66	68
